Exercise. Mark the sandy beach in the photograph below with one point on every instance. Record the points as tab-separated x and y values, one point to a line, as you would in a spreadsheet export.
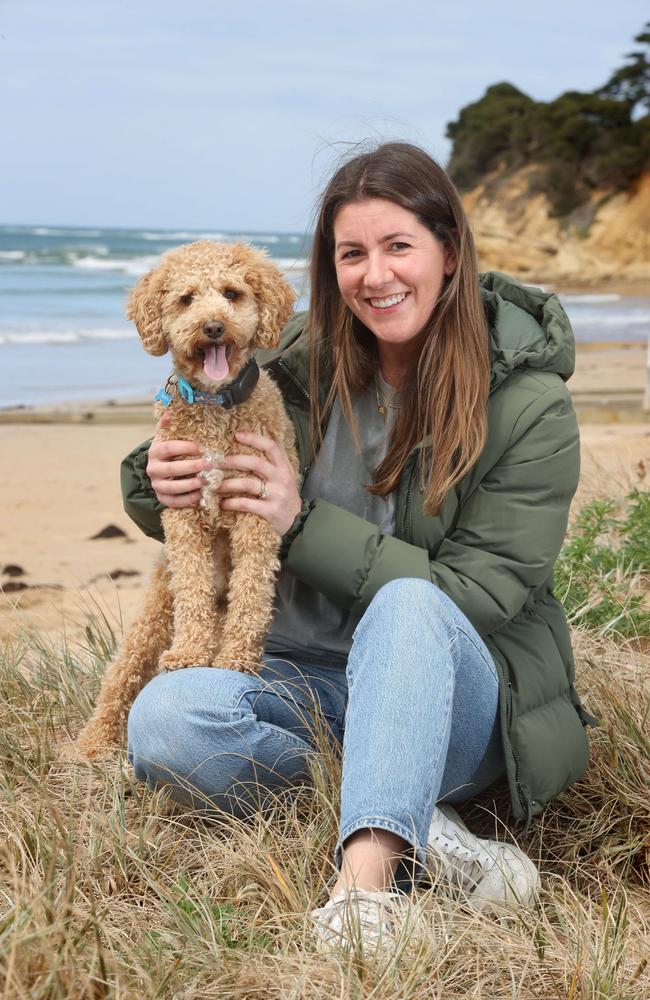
62	487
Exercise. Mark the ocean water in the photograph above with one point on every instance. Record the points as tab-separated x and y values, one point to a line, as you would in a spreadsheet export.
63	335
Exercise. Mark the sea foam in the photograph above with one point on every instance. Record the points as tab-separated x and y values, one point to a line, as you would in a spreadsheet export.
29	338
128	265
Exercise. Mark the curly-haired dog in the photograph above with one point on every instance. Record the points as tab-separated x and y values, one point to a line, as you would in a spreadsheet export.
211	595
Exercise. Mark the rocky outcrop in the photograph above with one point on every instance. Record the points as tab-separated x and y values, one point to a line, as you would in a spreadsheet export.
607	239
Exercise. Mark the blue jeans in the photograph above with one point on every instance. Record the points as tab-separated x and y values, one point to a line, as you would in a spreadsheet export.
415	712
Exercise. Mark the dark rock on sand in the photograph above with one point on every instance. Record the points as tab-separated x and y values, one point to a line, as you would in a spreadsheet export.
115	574
11	569
110	531
13	585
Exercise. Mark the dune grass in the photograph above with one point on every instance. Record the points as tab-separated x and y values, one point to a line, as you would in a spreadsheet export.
108	890
604	567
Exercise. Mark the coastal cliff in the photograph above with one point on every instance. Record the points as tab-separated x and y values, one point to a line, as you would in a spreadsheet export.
559	190
606	239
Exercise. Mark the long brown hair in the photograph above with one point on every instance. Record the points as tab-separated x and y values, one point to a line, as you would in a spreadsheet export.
444	395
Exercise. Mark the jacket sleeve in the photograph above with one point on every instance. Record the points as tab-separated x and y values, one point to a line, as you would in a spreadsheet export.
507	537
139	499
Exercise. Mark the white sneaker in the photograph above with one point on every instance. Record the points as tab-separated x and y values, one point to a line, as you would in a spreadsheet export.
357	918
491	873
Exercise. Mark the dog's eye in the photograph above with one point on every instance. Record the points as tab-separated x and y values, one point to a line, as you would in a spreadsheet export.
231	294
186	300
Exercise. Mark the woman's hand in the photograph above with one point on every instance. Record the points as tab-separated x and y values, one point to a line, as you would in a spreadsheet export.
173	470
272	472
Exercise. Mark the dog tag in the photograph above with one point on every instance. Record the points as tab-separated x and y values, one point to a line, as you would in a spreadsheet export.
163	397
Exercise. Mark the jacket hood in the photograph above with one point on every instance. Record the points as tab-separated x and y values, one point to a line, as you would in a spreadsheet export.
528	328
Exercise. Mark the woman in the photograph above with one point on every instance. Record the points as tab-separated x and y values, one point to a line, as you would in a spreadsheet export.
415	605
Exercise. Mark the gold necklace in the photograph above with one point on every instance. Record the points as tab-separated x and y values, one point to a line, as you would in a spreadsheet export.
383	406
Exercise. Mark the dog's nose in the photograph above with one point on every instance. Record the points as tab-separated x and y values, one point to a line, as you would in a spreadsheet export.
213	329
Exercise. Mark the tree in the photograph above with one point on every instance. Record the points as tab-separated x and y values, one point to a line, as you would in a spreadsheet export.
487	131
631	83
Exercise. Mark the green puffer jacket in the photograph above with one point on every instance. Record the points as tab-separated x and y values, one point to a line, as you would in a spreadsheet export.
493	546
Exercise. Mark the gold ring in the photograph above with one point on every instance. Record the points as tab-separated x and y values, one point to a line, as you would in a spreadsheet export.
263	493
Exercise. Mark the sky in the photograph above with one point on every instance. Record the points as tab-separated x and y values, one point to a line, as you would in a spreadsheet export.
204	114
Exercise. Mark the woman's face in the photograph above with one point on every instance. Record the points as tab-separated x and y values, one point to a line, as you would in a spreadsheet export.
390	270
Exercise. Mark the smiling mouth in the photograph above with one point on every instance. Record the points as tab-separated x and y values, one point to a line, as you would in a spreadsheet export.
388	301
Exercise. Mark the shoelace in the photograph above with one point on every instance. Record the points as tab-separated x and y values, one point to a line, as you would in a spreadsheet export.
470	864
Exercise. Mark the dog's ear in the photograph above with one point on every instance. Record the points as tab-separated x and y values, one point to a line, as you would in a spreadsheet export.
144	307
275	299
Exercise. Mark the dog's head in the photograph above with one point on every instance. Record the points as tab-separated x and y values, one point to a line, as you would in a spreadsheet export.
211	305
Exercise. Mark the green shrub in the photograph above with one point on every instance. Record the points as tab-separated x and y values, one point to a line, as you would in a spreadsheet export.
604	564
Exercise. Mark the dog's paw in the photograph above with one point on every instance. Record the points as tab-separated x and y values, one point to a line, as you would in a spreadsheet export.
90	746
69	753
212	479
172	659
244	664
216	458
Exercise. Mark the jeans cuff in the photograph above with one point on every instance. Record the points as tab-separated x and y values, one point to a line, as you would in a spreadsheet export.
404	882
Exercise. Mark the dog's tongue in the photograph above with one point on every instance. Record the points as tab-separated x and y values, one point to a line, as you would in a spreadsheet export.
215	365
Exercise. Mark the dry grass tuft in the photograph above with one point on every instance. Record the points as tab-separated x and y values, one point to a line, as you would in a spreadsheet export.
106	890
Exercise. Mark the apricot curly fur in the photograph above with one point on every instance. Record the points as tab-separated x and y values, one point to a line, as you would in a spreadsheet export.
210	598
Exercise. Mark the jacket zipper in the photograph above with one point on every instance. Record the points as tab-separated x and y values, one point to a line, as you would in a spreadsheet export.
293	378
525	804
406	534
303	392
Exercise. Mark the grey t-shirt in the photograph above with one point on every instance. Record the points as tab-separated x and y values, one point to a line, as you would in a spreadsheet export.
305	621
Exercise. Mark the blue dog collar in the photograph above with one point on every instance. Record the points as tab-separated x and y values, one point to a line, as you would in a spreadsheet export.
186	390
228	396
